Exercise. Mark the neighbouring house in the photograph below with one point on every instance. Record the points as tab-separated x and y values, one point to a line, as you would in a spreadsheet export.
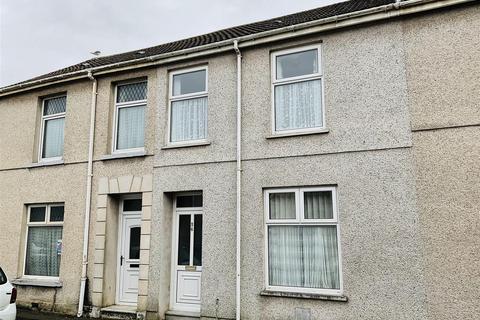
319	165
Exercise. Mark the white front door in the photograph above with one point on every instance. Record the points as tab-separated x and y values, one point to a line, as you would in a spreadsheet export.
187	270
129	251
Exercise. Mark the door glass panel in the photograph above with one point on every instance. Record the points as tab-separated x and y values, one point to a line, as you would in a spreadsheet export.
197	240
134	250
184	240
132	205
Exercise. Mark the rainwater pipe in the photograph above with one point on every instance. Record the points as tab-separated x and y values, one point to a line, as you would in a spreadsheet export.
239	174
88	197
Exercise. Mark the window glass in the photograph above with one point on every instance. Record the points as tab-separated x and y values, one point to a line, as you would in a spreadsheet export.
134	250
131	127
197	240
318	205
54	105
3	277
132	205
190	201
282	205
42	255
37	214
189	82
184	240
297	64
132	92
298	105
56	213
53	138
188	119
303	256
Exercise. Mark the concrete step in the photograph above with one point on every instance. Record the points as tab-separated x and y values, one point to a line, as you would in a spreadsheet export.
119	312
181	315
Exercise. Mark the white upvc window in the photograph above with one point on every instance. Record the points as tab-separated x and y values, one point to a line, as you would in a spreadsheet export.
302	242
52	127
188	106
297	91
129	127
43	245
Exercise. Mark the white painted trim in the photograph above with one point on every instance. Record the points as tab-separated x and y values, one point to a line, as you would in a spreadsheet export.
118	105
303	78
299	196
195	95
44	118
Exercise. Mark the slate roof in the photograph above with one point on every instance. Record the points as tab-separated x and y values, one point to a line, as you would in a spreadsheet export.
220	35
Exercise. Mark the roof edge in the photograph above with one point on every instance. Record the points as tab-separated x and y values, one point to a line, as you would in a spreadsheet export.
384	12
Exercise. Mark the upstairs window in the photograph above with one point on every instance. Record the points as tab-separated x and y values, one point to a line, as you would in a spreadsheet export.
44	240
297	90
53	122
188	105
130	104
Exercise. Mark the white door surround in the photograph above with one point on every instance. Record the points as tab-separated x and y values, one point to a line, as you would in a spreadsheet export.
186	259
128	253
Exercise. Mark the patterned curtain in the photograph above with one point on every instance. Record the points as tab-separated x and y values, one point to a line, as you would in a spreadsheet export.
42	258
53	138
131	127
189	119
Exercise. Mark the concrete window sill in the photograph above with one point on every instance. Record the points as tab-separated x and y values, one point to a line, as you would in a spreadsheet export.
37	282
123	155
296	134
297	295
45	164
186	145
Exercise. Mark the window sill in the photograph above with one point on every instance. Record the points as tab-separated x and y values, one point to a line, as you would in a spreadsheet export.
295	134
313	296
186	145
32	282
45	164
122	155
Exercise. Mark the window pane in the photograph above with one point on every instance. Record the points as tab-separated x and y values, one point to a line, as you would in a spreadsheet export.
42	257
298	105
132	205
318	205
3	277
188	120
189	82
134	250
54	105
197	241
132	92
297	64
190	201
184	240
303	256
282	205
131	127
56	213
53	138
37	214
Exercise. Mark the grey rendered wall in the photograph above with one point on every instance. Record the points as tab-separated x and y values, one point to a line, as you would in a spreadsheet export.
442	67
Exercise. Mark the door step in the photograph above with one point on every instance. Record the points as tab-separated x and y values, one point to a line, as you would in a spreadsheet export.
119	312
181	315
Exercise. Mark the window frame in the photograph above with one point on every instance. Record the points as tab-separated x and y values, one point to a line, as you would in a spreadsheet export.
44	119
278	82
188	96
300	220
128	104
46	223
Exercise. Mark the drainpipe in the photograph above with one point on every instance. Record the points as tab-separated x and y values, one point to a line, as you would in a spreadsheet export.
239	170
88	197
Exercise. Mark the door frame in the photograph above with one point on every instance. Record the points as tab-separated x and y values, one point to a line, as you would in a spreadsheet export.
173	269
120	241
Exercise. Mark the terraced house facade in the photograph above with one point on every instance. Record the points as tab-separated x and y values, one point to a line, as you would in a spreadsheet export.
320	165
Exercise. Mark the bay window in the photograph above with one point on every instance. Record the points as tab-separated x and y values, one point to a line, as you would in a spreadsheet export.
53	121
130	104
297	89
302	241
188	105
44	240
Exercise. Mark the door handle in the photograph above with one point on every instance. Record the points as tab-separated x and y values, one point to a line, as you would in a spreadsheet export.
121	260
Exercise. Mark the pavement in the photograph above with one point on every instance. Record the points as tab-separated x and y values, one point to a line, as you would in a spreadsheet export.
26	314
